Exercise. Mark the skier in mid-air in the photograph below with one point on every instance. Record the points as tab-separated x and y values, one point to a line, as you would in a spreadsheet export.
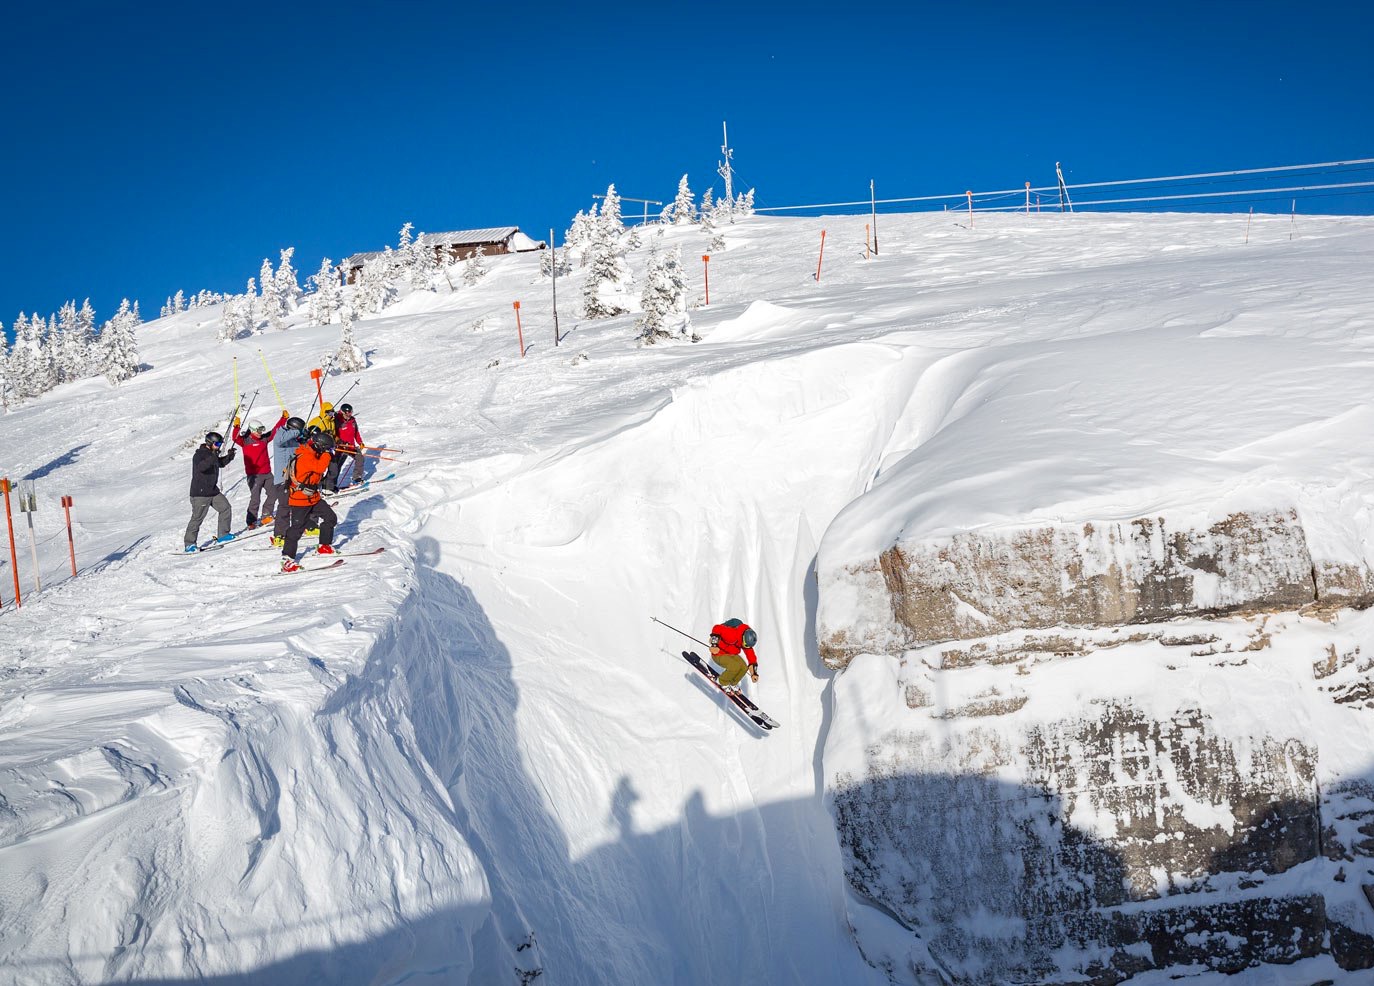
730	640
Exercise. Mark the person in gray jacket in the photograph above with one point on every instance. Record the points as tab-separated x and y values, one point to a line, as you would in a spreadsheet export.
288	438
205	467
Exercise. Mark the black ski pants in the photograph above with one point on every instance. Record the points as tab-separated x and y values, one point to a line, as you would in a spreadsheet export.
319	514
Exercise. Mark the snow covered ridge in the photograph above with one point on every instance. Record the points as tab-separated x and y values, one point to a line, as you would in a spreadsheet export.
474	759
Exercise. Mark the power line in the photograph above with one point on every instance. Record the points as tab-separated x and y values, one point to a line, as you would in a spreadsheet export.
962	196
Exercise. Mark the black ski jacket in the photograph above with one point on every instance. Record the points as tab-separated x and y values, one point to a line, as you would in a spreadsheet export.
205	467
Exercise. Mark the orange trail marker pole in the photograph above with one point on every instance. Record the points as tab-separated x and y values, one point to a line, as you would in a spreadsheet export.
970	209
1028	198
317	375
706	274
71	541
519	332
14	558
821	258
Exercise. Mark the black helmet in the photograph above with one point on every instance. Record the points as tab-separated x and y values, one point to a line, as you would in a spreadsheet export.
346	408
312	431
214	438
295	423
322	441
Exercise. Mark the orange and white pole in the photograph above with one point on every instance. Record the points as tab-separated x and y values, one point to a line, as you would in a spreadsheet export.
970	209
821	258
14	557
706	274
1028	198
519	332
867	230
67	505
317	375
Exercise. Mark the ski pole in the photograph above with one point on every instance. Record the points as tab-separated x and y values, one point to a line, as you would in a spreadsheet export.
383	448
232	415
270	380
339	399
676	630
244	417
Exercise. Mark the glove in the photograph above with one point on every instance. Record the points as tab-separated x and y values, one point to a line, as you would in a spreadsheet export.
232	453
236	422
754	673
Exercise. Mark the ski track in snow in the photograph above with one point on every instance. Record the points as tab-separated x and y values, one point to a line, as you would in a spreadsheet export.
474	753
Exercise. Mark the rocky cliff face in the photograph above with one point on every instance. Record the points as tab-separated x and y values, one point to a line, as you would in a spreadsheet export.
1085	575
1081	752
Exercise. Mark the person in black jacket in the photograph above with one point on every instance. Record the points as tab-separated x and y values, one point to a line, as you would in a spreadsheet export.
205	467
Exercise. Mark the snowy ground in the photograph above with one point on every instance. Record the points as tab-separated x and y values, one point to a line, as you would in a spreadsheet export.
476	754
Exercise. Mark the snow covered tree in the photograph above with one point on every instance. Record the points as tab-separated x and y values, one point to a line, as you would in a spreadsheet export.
373	290
610	213
707	211
5	386
252	311
557	261
327	296
236	317
90	339
424	264
119	347
604	267
288	289
178	302
70	353
580	234
271	303
349	358
405	237
684	208
664	297
475	269
744	204
27	365
166	309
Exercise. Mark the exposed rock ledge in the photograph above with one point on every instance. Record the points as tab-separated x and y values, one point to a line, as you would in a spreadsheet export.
1145	570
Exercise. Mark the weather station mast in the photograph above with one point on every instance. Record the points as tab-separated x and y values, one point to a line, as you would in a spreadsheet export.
724	170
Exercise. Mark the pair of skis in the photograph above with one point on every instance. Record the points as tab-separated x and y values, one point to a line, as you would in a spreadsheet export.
337	560
739	701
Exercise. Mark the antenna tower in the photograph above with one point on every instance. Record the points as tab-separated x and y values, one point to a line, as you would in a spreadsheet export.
725	171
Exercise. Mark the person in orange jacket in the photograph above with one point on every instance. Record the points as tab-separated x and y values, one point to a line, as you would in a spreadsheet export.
728	641
304	476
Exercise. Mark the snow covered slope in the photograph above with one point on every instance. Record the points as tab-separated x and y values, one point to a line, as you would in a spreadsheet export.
475	757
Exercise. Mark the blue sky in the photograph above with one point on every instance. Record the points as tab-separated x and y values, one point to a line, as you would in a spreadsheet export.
158	146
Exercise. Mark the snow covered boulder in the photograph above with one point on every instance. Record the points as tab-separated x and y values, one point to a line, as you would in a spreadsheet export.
1148	569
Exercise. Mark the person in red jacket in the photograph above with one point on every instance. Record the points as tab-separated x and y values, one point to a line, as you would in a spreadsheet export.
348	444
728	641
257	466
